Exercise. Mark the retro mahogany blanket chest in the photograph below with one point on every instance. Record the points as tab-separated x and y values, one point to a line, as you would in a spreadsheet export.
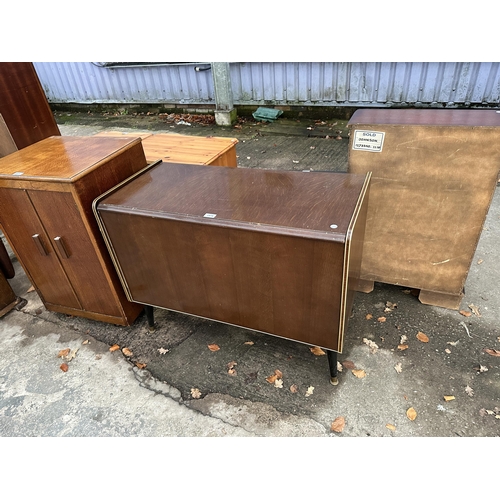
275	252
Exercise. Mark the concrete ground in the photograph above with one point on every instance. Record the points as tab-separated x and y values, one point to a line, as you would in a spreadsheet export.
185	389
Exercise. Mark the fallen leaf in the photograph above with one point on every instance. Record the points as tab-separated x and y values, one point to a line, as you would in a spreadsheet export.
411	413
309	391
141	366
448	398
294	388
127	352
30	289
278	383
339	366
162	351
276	375
338	424
85	342
369	316
72	354
64	367
398	368
482	369
474	309
372	345
402	347
492	352
317	351
195	393
404	339
382	319
213	347
422	337
231	365
465	313
348	365
359	373
391	427
249	343
469	391
114	348
63	353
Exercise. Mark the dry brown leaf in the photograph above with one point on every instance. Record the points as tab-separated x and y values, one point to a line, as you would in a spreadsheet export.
474	309
402	347
391	427
372	345
294	388
448	398
309	391
422	337
127	352
317	351
359	373
382	319
114	348
469	391
141	366
369	316
213	347
195	393
348	365
64	353
64	367
338	424
276	375
411	413
85	342
492	352
465	313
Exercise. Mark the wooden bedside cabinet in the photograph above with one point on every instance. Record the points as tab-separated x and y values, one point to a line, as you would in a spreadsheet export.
275	252
46	195
434	173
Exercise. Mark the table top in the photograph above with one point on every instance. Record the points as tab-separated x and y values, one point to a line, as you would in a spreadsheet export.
426	116
312	204
62	158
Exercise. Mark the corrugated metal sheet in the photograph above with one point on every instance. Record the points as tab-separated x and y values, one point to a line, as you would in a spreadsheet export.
280	83
89	83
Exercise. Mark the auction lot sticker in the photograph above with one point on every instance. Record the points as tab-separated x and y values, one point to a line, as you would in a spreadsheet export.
367	140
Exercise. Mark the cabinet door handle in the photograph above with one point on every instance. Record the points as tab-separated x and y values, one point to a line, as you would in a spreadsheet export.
39	245
60	246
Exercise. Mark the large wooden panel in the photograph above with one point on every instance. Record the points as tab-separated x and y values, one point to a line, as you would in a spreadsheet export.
265	250
432	184
23	104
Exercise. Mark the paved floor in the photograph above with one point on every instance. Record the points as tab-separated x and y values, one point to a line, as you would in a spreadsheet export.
103	393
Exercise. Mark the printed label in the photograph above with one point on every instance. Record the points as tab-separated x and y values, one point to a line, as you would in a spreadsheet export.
367	140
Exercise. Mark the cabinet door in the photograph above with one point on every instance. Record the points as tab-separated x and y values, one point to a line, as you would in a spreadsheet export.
30	242
64	225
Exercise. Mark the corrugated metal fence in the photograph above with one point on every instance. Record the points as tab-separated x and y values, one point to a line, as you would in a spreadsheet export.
355	84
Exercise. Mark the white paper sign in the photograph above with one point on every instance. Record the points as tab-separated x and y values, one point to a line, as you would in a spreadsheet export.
367	140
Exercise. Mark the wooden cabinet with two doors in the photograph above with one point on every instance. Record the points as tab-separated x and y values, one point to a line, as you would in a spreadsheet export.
46	195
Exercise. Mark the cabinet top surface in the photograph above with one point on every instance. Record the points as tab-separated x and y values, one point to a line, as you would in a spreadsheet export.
61	158
426	117
295	202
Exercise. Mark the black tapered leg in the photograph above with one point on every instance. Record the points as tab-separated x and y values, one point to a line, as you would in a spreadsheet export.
150	316
332	361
